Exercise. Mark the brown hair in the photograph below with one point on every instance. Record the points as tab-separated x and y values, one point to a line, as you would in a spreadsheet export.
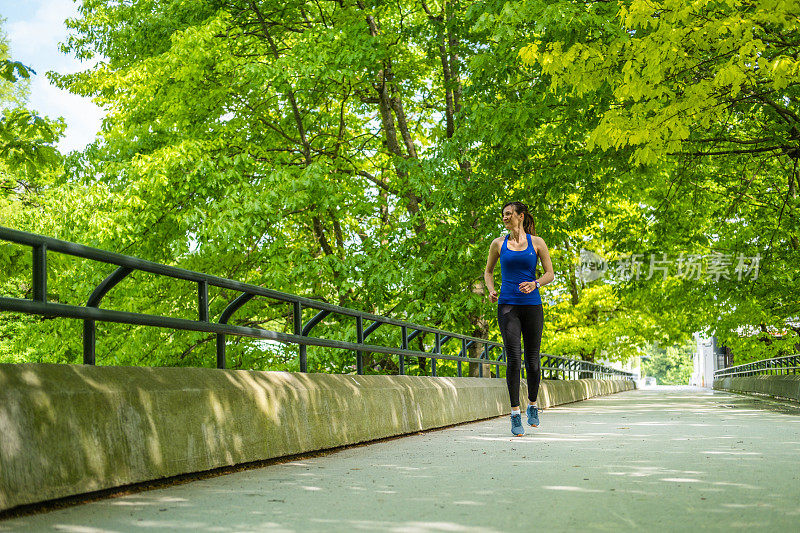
527	223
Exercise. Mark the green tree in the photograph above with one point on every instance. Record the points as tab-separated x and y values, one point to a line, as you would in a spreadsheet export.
670	366
29	165
286	144
531	142
355	152
704	95
14	76
26	139
28	156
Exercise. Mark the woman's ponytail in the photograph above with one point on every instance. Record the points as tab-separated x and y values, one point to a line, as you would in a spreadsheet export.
528	224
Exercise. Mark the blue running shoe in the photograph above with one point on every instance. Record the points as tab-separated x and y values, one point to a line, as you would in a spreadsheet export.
533	415
516	425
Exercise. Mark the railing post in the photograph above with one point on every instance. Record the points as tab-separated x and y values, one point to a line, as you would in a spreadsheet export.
40	273
360	337
89	327
238	302
220	350
482	357
404	345
463	354
297	324
305	332
89	342
370	330
202	300
437	349
412	336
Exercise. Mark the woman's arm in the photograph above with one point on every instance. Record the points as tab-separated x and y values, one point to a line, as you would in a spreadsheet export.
488	273
544	255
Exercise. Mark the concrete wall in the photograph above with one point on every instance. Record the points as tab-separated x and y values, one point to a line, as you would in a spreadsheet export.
787	386
72	429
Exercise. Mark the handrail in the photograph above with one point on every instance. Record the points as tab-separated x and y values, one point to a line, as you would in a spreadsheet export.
41	245
787	364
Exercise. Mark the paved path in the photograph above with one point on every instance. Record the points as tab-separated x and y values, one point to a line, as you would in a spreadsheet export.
666	460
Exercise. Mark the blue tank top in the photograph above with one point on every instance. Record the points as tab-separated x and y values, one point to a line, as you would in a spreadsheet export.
516	267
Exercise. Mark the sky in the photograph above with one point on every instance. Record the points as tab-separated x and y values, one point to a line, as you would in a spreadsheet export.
35	28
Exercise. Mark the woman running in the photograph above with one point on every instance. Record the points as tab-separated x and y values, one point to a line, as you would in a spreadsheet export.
519	307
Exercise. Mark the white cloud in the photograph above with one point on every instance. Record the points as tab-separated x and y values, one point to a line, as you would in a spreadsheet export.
83	118
35	38
34	34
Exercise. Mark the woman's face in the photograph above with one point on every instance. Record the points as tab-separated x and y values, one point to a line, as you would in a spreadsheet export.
510	217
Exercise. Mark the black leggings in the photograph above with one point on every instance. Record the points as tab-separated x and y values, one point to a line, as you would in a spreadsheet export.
527	321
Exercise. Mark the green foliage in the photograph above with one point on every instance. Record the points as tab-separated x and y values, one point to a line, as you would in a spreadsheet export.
359	153
14	76
702	96
12	71
29	168
26	139
699	71
272	143
670	366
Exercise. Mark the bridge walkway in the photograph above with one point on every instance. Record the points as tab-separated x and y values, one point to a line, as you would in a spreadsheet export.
666	459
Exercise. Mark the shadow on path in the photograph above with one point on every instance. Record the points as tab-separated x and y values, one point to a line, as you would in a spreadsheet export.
671	459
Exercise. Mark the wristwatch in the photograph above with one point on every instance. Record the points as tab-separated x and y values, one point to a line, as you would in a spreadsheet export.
537	283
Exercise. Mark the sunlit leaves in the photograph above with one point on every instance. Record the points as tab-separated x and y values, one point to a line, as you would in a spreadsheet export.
676	67
705	95
13	71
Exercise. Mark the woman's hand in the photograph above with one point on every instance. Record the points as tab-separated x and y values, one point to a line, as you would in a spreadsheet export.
527	287
493	295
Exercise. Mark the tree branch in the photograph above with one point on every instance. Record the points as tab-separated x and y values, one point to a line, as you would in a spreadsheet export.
289	92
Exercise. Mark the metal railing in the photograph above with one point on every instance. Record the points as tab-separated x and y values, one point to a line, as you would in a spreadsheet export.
552	366
557	367
788	364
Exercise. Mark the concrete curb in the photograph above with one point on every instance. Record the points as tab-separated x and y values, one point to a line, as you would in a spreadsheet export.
73	429
786	386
